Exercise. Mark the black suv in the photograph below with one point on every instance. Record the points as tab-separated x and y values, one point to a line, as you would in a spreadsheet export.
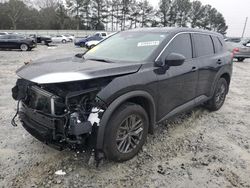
112	96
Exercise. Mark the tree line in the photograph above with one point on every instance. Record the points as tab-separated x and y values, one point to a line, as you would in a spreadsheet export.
111	15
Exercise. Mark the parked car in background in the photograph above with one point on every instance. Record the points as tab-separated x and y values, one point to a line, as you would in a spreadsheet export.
101	34
70	37
110	98
233	39
13	41
59	39
91	44
82	42
240	50
42	39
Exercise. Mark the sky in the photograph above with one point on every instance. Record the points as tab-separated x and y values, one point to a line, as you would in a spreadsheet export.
234	11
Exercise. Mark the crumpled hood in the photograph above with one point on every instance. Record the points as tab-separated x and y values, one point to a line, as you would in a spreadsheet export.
68	68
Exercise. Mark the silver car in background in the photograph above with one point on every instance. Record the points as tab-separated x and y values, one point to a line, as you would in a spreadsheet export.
240	50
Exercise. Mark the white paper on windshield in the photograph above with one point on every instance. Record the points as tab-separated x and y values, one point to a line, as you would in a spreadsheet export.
148	43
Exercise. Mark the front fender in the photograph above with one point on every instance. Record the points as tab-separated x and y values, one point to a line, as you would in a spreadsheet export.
116	103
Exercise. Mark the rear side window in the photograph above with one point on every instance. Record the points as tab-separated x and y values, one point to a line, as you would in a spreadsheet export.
181	45
203	45
217	44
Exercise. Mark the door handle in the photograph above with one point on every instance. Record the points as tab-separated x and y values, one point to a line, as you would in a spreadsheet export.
219	61
194	69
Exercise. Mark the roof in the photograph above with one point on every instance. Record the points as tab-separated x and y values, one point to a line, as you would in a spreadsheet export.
173	29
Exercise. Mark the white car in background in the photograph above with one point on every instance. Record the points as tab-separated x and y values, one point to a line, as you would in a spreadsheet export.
92	43
60	38
70	37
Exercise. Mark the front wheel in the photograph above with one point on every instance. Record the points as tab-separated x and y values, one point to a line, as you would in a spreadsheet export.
126	132
218	99
64	41
24	47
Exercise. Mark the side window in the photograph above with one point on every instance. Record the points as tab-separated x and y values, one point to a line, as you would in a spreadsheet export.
181	45
217	44
203	45
104	34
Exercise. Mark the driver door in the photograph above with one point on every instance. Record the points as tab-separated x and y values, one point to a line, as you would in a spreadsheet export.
177	84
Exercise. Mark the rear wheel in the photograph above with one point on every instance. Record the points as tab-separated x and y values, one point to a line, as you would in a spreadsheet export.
64	41
126	132
218	99
24	47
240	59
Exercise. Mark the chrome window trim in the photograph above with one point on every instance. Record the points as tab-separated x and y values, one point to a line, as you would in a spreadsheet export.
185	32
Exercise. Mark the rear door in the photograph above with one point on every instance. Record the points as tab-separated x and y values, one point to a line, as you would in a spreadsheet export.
177	85
208	61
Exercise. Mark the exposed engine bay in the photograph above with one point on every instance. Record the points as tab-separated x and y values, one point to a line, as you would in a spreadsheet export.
61	114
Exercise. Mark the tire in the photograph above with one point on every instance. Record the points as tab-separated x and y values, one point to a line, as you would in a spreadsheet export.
218	99
82	45
24	47
240	59
64	41
92	46
119	126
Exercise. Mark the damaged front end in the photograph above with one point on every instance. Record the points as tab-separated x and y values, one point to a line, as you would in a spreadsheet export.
62	114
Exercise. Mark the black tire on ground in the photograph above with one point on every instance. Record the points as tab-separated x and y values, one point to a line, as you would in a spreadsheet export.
24	47
240	59
92	46
82	45
218	99
126	132
64	41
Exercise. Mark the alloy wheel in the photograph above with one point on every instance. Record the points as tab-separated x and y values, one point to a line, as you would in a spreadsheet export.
220	95
129	133
24	47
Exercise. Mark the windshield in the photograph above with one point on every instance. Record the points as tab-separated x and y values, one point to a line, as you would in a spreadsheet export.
127	46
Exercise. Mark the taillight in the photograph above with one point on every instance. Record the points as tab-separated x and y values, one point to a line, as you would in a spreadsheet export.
234	51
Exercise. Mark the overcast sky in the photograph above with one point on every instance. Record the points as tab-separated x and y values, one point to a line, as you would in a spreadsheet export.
234	11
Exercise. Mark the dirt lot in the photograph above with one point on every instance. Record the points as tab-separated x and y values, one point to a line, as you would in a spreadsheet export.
196	149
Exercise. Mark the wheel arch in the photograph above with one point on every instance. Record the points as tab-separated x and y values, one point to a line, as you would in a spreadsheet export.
142	98
227	77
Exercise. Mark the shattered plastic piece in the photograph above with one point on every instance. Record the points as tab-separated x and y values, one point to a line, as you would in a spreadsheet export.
93	117
60	173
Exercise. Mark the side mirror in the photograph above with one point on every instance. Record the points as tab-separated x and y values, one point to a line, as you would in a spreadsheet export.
173	59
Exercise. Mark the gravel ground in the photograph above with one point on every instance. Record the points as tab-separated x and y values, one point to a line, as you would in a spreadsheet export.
195	149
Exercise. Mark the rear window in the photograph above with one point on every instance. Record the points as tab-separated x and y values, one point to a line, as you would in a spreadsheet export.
217	44
203	45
